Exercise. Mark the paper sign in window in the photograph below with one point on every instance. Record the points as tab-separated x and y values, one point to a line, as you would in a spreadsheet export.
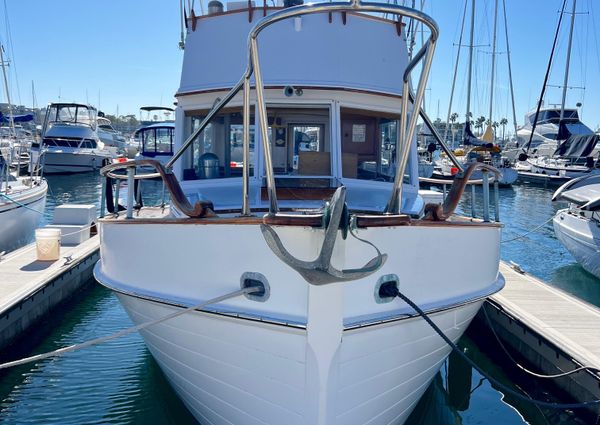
359	133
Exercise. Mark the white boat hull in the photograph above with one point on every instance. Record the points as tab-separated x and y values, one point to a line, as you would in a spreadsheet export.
232	370
310	354
19	219
580	236
56	162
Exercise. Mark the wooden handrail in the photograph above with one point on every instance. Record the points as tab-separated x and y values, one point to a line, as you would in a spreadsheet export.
439	212
199	210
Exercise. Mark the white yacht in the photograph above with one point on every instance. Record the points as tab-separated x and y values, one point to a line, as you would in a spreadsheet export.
112	139
546	134
309	216
22	203
155	141
70	141
578	226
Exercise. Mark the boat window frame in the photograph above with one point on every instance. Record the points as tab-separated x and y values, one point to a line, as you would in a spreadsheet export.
412	164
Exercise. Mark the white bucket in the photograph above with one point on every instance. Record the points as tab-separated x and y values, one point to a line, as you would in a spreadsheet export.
47	242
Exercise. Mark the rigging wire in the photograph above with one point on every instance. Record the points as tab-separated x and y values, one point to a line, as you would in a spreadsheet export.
541	98
12	51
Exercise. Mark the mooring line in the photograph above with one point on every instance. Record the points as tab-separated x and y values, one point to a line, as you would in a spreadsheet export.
530	372
136	328
490	378
14	201
529	232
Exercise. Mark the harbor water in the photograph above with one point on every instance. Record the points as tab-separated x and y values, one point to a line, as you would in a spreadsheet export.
120	383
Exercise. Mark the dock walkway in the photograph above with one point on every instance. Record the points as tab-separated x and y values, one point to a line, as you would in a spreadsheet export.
553	330
30	288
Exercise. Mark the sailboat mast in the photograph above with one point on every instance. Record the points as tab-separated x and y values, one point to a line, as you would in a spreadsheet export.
468	119
566	82
493	62
512	92
460	38
10	110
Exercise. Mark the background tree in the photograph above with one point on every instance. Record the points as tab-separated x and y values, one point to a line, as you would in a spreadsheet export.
479	124
503	123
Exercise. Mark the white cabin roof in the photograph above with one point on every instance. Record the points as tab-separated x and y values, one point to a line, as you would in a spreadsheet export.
365	53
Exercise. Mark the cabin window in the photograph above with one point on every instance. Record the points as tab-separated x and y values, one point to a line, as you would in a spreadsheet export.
368	144
218	151
164	140
148	141
300	143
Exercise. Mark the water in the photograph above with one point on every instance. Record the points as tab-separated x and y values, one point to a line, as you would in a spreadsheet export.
119	382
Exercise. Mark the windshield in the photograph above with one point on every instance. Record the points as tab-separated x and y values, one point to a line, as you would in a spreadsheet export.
73	114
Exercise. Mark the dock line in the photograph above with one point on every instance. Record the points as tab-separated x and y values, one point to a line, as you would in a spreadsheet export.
127	331
529	232
530	372
393	290
14	201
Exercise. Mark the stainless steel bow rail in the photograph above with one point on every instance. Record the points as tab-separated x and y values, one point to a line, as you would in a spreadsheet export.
407	121
425	55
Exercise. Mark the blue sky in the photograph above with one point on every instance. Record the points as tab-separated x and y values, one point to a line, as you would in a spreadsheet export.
124	53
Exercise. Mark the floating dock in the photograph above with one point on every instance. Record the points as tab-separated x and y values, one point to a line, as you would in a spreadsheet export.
554	331
29	289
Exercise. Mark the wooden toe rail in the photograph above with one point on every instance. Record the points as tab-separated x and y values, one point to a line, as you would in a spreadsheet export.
382	220
198	210
283	219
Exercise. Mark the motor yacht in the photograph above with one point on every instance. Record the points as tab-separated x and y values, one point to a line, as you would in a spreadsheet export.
546	132
70	140
316	216
155	141
578	226
112	139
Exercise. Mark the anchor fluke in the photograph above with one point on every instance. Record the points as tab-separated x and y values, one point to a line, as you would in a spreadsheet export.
320	271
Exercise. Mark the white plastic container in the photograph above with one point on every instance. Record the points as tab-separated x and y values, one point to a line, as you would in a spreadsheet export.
47	243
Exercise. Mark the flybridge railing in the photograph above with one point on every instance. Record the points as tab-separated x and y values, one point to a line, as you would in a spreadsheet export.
407	125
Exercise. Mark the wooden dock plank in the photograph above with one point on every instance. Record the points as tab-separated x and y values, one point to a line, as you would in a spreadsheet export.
21	274
570	323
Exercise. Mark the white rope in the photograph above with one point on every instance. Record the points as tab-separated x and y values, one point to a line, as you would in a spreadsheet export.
127	331
531	231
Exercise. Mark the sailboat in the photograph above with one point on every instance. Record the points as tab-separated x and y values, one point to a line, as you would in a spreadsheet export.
474	149
311	222
22	198
567	148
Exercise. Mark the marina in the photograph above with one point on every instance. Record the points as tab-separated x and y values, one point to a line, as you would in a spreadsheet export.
290	237
96	312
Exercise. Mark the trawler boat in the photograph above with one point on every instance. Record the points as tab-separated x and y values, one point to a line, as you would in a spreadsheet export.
578	227
22	202
308	219
70	140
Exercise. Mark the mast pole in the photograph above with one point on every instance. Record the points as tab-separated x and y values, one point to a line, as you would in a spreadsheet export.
11	119
566	81
493	61
462	27
468	119
510	80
